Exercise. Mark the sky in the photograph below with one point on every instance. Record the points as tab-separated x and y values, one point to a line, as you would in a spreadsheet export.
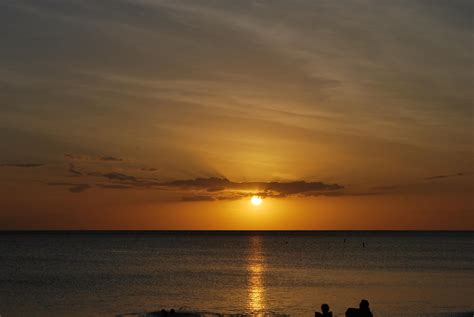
171	115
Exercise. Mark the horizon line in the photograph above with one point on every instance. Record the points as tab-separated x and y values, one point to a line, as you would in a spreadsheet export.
2	231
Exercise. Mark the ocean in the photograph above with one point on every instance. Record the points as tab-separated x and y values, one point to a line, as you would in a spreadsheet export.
111	273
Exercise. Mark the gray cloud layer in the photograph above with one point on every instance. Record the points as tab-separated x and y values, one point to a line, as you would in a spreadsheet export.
203	189
251	89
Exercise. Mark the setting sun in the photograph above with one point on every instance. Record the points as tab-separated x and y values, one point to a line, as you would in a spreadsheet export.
256	200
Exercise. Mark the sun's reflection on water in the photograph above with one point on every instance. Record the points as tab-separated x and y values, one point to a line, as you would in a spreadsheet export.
256	275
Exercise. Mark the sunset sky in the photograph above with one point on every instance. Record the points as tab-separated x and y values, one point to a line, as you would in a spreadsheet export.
149	114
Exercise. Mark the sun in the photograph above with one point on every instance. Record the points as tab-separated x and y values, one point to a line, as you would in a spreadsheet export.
256	200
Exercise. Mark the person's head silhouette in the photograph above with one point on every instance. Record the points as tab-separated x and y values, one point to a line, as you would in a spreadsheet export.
364	304
325	308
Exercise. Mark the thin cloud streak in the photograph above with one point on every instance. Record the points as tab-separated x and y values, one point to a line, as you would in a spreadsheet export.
72	187
446	176
103	158
25	165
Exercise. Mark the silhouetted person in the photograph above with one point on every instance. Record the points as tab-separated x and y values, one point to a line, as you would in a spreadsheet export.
325	311
362	311
164	313
172	311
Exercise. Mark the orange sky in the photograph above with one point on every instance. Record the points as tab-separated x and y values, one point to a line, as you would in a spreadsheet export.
171	115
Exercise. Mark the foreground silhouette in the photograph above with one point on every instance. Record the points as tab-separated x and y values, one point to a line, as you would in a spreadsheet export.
325	311
362	311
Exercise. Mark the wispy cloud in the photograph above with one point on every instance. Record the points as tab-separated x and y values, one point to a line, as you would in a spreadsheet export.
148	169
446	176
198	198
214	187
110	159
72	187
102	158
417	185
26	165
73	171
114	186
128	180
214	184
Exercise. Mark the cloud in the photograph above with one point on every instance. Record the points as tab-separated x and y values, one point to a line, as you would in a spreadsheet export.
129	180
214	188
119	177
445	176
224	189
215	184
201	183
388	187
148	169
27	165
416	185
73	171
339	194
102	158
198	198
73	188
73	157
113	186
110	159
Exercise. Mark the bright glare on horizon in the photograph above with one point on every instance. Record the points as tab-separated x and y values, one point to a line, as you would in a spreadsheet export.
256	200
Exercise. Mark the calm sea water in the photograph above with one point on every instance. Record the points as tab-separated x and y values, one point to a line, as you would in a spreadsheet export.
104	274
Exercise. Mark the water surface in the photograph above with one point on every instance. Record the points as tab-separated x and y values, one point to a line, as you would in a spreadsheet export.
103	274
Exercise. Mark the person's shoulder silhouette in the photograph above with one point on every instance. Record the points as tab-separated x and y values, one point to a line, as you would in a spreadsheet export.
362	311
324	311
352	312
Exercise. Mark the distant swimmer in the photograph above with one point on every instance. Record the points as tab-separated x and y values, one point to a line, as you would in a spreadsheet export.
363	244
324	311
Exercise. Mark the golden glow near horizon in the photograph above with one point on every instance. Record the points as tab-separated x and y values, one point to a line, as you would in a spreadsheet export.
256	200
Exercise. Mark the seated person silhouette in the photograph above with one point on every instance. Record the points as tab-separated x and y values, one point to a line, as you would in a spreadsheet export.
325	311
362	311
